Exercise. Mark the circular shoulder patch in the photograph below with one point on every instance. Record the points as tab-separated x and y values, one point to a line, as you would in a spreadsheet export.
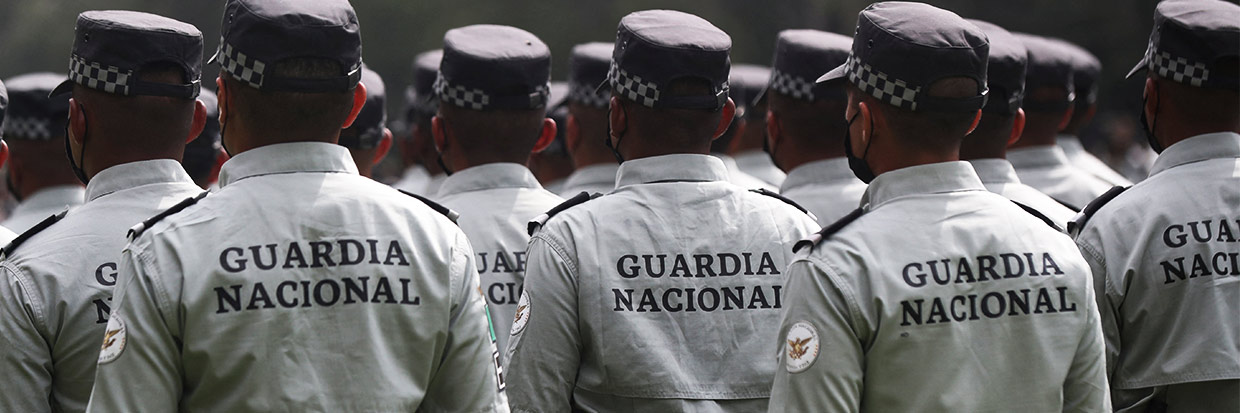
801	347
113	339
523	313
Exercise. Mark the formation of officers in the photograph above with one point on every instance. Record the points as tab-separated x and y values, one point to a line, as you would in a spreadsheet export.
901	220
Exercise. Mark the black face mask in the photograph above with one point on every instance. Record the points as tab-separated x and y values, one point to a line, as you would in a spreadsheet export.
615	149
1149	128
77	165
439	153
859	167
223	128
766	147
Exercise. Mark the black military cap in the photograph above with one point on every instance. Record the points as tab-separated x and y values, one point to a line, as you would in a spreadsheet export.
1050	64
260	33
1189	39
420	96
745	85
493	67
110	47
200	153
1085	72
655	47
801	56
32	114
587	68
371	120
1005	71
901	48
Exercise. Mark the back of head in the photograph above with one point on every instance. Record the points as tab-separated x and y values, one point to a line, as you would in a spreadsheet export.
810	115
1050	89
201	153
1006	79
745	85
1086	69
588	65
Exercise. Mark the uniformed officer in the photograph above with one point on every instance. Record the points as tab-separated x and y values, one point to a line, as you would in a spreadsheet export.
5	234
299	285
493	92
368	138
1001	124
39	176
748	82
134	79
1164	253
935	295
745	82
423	174
552	165
806	124
1048	105
662	295
204	155
1085	71
585	128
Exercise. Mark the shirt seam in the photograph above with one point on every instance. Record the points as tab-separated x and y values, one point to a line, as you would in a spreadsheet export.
24	282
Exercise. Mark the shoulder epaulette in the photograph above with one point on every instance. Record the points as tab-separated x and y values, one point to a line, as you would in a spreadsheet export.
447	212
828	230
541	220
1074	208
1078	223
1039	215
42	225
771	194
145	225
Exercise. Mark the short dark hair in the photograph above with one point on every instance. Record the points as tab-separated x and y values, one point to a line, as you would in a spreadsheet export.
511	132
158	123
676	124
927	128
1204	104
289	113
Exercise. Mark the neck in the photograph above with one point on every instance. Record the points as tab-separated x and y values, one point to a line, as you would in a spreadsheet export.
1173	130
1037	134
802	150
635	146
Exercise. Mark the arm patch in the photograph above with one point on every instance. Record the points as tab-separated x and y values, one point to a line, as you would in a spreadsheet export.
42	225
541	220
771	194
1077	224
1039	215
828	231
145	225
447	212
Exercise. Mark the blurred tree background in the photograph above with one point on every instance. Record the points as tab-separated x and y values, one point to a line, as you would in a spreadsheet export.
36	35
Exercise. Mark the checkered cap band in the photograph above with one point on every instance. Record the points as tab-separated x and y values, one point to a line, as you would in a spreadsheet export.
584	94
94	75
240	66
893	91
25	127
462	96
794	86
1179	69
632	86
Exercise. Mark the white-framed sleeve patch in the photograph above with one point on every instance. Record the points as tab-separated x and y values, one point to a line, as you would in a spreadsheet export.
523	313
801	347
113	339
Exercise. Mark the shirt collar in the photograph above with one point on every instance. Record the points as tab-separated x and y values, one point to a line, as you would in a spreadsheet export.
669	168
54	197
1069	143
597	173
489	176
932	178
1198	148
1037	157
135	174
284	158
819	172
995	171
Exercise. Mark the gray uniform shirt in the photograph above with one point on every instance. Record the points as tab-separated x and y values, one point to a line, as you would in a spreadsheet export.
758	164
42	204
999	177
827	188
56	292
299	286
415	180
942	297
661	296
496	202
1166	262
740	178
1046	169
1085	161
598	178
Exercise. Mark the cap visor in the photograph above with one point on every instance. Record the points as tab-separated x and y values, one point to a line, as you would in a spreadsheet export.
600	87
64	87
214	57
839	72
761	95
1139	67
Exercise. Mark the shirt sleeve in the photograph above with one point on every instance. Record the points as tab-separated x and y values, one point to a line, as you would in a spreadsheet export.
832	382
469	376
26	359
1107	303
139	369
544	350
1085	388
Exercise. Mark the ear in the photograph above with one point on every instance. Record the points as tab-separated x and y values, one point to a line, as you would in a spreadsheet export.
220	157
385	145
572	133
199	123
617	118
773	132
729	111
1151	98
359	100
221	98
4	153
77	122
1018	127
546	136
1067	117
437	132
866	118
977	117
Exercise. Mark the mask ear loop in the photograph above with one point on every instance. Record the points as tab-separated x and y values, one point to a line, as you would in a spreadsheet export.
439	153
76	166
615	149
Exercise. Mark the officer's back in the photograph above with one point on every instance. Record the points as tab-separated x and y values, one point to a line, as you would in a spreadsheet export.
662	295
300	285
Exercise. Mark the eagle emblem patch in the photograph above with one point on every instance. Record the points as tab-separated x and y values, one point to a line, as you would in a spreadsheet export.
801	347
